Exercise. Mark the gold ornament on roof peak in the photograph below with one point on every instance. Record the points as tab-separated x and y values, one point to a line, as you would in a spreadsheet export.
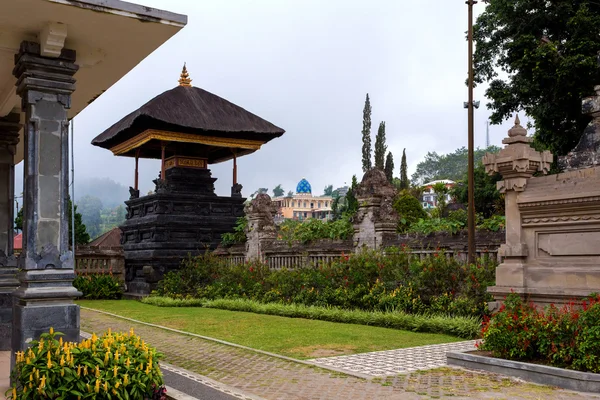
184	79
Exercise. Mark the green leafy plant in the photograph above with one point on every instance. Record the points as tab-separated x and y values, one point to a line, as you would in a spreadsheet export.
409	210
99	286
113	366
238	235
310	230
564	337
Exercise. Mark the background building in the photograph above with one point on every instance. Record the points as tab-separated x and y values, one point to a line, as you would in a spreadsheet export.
429	199
303	205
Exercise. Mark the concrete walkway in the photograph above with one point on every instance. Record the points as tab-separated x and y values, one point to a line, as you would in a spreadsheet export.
264	376
4	372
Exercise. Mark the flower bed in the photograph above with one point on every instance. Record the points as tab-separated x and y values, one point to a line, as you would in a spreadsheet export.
564	337
113	366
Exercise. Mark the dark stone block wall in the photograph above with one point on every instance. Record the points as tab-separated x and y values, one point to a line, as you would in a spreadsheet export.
184	217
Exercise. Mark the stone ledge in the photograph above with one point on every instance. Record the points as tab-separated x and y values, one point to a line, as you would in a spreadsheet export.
174	394
542	374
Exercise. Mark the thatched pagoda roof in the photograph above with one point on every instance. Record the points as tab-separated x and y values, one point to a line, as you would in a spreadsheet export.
191	111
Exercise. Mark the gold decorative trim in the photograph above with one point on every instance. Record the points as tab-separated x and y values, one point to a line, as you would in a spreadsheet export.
186	162
152	134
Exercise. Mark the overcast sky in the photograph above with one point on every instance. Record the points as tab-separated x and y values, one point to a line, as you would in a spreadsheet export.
306	65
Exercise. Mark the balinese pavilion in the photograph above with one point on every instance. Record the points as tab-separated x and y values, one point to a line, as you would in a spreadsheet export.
188	129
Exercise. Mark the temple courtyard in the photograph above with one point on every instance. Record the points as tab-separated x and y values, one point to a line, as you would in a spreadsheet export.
230	371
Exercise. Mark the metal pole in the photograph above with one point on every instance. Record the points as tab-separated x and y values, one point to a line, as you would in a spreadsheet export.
137	158
73	186
162	164
471	189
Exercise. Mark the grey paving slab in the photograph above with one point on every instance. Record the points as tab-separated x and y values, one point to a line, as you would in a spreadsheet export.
393	362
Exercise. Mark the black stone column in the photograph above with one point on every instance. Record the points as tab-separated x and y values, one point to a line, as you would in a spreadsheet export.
45	297
9	137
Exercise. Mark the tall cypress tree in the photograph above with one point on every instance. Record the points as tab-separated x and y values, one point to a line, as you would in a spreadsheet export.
366	136
389	167
403	172
380	147
351	200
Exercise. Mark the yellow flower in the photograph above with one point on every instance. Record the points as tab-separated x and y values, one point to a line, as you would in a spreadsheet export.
14	393
85	370
117	355
60	341
94	337
131	332
105	386
62	372
115	370
89	389
79	371
117	384
43	382
97	388
41	345
127	363
97	371
51	330
125	380
30	377
62	360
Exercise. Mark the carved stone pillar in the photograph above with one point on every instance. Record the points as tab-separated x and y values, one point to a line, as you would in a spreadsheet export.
376	219
261	226
517	163
9	137
45	297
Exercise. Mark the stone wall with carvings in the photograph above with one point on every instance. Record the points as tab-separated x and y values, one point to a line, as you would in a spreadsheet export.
552	248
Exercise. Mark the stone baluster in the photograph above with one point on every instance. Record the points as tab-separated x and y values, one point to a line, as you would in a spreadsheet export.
517	163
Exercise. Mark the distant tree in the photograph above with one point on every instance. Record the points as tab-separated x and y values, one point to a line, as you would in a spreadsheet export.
290	194
409	210
540	57
380	147
404	184
366	136
278	191
328	190
110	193
389	167
19	220
352	202
90	207
81	235
441	190
488	201
449	166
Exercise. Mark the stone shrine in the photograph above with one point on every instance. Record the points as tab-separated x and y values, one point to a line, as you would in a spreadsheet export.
187	128
551	254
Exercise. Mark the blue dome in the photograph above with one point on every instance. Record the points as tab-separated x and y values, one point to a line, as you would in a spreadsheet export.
303	187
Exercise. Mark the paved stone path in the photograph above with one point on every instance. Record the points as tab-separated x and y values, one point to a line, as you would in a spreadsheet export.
270	377
394	362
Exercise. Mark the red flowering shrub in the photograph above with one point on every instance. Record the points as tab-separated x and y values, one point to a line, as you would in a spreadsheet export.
564	337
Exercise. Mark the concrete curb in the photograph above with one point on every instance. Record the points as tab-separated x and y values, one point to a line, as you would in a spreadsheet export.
175	394
239	346
542	374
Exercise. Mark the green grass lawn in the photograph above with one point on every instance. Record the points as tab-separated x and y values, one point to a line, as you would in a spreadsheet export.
292	337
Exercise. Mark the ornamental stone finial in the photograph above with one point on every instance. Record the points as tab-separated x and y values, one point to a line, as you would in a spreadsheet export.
517	130
184	78
517	161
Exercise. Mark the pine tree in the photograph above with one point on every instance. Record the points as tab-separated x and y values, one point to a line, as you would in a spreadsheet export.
380	147
351	200
389	167
366	136
403	172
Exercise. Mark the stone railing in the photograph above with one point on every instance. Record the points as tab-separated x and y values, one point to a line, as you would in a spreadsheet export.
278	254
100	260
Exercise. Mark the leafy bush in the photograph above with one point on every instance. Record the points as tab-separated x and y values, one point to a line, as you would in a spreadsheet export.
370	280
464	327
494	223
238	235
409	210
99	286
118	366
314	229
431	225
567	337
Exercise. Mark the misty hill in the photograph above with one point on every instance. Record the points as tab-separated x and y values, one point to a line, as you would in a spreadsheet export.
110	193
